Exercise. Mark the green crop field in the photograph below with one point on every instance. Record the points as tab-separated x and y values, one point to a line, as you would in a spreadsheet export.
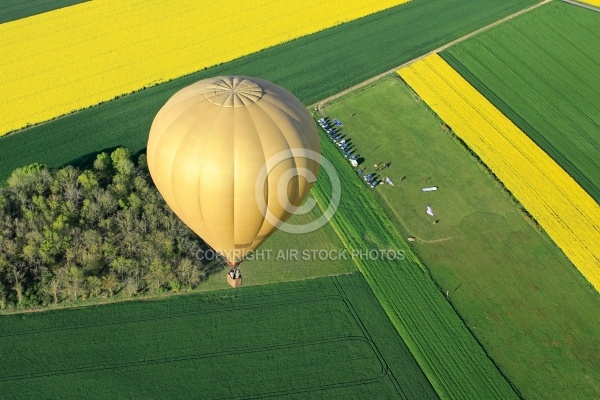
533	312
454	362
312	67
321	338
17	9
480	305
542	70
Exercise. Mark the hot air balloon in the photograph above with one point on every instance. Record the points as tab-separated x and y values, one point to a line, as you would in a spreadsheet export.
233	157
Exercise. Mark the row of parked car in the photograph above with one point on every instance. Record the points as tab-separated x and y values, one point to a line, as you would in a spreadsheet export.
371	179
337	138
346	148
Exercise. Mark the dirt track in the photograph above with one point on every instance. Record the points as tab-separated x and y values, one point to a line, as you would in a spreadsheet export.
322	103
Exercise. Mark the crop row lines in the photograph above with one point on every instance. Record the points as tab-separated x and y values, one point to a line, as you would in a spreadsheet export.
198	311
189	357
546	83
539	138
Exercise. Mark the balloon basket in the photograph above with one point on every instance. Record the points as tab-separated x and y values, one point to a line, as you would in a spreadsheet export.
234	278
234	282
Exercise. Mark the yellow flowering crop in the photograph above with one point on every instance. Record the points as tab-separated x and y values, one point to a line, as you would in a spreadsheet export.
78	56
568	214
592	2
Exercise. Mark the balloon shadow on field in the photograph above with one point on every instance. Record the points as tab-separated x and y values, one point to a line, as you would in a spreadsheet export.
87	161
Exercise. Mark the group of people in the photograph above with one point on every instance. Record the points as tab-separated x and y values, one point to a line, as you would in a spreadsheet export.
378	167
345	147
381	166
235	273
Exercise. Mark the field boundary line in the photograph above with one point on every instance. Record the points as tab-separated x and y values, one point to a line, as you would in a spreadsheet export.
583	5
388	372
319	105
154	297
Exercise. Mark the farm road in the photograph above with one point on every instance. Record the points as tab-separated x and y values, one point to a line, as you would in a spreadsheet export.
322	103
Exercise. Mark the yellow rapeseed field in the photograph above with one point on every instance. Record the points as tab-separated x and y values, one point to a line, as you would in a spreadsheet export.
592	2
78	56
568	214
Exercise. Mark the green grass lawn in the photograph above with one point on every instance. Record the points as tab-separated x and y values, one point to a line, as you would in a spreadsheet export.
321	338
312	68
446	350
534	313
17	9
546	80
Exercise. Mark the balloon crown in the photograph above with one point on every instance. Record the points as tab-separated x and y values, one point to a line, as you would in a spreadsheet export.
233	91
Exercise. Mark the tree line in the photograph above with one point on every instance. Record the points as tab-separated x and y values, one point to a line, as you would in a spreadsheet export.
67	234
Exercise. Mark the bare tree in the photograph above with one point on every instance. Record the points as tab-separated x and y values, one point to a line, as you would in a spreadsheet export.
55	285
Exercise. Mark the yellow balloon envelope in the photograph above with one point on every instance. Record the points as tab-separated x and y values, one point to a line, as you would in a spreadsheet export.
233	157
